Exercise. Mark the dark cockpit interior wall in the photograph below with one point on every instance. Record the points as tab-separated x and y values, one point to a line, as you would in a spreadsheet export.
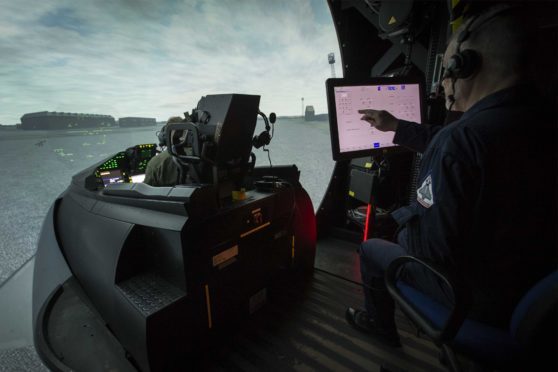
406	43
367	50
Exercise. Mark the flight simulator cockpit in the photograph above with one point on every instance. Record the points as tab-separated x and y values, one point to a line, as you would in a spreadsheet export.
133	277
219	138
158	270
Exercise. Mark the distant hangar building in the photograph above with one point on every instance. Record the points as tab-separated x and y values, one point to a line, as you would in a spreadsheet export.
309	113
64	120
136	122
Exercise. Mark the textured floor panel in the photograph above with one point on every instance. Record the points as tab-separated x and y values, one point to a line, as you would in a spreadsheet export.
305	330
302	328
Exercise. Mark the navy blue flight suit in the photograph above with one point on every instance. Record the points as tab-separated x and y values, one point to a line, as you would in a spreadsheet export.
485	205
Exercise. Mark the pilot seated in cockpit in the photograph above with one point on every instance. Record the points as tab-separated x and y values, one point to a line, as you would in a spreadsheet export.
162	170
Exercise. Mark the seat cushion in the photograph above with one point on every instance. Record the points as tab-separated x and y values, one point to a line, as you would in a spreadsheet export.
534	306
480	341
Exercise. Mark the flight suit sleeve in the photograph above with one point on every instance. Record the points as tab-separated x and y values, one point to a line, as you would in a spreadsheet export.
150	174
417	136
414	136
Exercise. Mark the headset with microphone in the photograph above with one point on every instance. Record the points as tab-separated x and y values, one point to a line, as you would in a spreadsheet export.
264	138
465	63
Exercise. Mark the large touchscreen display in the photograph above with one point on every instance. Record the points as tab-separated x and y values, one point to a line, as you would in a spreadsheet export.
401	100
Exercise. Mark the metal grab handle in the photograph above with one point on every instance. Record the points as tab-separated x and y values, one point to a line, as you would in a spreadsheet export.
457	314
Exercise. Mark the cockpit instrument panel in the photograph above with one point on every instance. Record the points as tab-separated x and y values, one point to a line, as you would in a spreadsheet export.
140	156
118	161
111	176
126	166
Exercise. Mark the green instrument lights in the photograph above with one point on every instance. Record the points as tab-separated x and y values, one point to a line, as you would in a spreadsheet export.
113	163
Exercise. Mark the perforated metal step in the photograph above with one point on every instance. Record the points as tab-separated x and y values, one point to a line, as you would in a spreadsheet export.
150	292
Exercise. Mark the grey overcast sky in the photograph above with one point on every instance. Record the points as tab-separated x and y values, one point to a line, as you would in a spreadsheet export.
157	58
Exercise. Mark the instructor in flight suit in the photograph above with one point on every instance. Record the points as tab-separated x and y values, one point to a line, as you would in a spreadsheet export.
485	206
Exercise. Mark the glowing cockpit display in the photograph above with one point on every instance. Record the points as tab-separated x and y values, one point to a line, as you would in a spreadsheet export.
111	176
137	178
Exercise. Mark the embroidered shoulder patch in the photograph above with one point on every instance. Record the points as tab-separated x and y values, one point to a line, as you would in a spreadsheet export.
425	196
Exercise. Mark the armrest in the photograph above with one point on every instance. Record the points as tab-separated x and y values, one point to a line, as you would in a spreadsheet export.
456	315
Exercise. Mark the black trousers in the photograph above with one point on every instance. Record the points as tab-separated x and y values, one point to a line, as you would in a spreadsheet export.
375	257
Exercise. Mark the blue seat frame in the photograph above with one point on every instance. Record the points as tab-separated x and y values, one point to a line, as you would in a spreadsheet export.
450	329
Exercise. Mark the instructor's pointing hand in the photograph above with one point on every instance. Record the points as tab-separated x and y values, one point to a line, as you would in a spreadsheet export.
380	119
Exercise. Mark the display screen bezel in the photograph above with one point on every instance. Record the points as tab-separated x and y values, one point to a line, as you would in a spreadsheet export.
332	83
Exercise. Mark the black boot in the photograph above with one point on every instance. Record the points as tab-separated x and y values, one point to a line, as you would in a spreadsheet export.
381	321
362	322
